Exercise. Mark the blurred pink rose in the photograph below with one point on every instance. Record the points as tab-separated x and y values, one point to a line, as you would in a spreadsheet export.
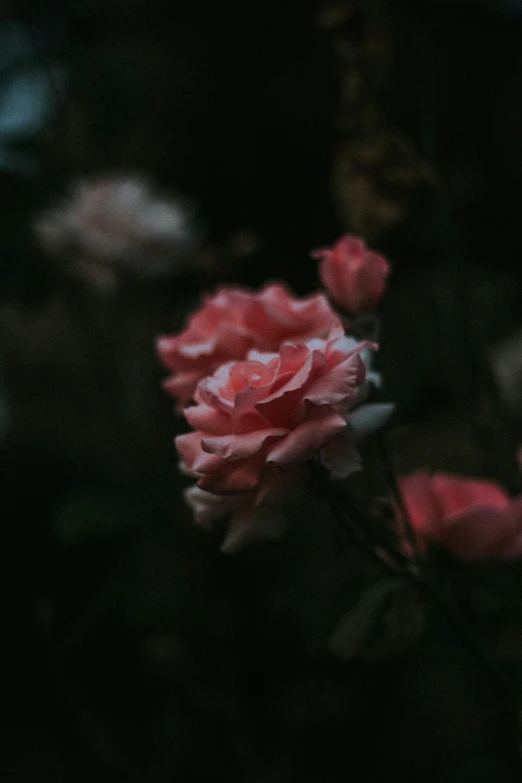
234	321
354	276
273	412
474	519
119	222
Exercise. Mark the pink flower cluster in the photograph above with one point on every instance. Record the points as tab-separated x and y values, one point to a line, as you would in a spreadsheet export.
234	321
274	380
473	519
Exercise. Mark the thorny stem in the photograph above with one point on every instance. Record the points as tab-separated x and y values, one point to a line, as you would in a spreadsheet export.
395	492
351	521
354	524
416	576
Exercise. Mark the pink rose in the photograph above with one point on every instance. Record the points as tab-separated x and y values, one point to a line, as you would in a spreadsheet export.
472	518
273	412
354	276
234	321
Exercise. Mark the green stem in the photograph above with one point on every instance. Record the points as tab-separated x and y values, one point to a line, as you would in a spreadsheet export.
355	524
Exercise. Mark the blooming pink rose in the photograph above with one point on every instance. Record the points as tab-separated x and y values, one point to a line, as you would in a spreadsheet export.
273	412
472	518
354	276
234	321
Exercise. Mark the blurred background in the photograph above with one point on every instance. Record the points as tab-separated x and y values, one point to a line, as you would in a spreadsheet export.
153	150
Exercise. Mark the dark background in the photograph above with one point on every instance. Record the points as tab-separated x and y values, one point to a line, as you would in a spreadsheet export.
130	650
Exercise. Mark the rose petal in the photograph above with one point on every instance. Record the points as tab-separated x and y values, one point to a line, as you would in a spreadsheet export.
458	494
208	507
195	459
245	416
322	426
208	419
420	501
241	476
343	381
285	406
478	533
234	447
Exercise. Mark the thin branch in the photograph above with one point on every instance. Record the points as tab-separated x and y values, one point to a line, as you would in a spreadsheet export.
354	523
395	492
